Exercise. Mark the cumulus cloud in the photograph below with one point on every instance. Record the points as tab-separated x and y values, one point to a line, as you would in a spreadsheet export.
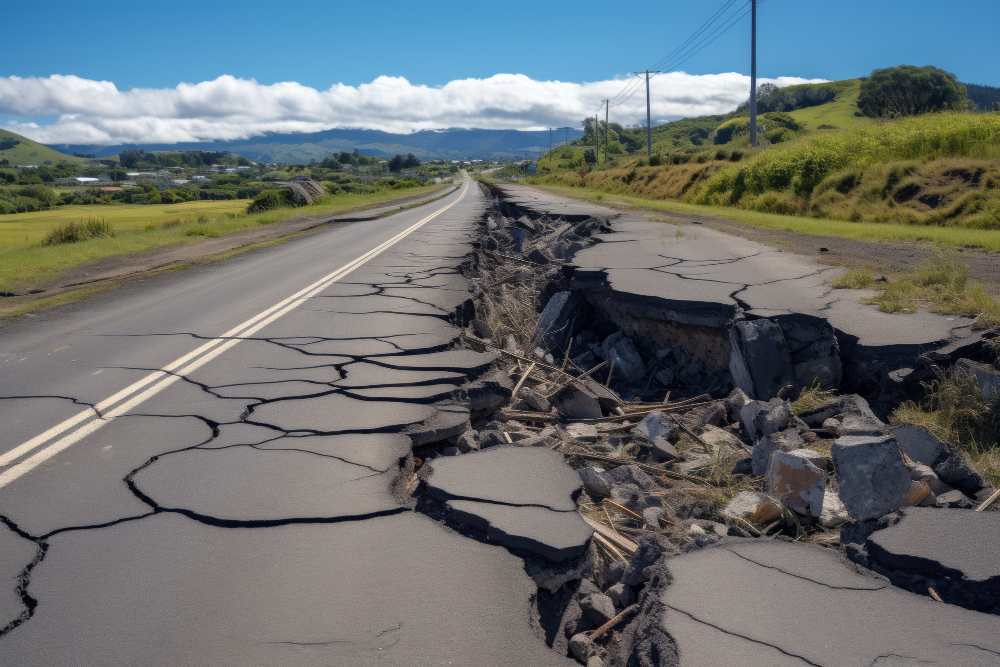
227	108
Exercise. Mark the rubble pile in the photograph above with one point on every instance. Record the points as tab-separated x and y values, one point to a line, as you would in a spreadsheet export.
666	464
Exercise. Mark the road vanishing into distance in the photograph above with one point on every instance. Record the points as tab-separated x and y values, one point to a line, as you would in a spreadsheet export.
198	468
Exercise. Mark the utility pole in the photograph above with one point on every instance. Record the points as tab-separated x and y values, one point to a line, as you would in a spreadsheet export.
753	73
649	133
607	130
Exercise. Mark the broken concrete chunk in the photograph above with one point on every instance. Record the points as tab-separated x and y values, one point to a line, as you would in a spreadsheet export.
987	377
955	471
954	499
596	481
919	444
872	477
582	432
796	481
664	450
558	321
921	473
852	414
758	359
510	475
540	530
734	403
468	442
657	424
834	513
487	393
744	504
633	474
628	495
784	441
538	257
621	595
535	400
760	419
597	608
582	647
619	350
814	350
446	422
651	517
576	402
711	610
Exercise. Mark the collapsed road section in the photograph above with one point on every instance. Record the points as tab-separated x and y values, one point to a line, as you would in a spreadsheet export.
719	401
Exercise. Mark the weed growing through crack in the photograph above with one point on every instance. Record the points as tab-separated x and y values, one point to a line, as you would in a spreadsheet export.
942	285
955	411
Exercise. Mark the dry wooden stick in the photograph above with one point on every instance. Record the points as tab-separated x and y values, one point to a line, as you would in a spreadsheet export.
521	382
566	358
622	507
989	501
612	536
608	514
607	545
610	373
934	594
628	611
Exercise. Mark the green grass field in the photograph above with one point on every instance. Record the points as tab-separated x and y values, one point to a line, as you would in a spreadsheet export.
839	112
32	152
24	229
158	226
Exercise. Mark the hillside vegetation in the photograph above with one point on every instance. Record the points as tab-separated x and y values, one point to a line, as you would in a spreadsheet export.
26	151
825	160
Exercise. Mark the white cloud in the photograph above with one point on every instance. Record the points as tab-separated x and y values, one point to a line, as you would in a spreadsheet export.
227	108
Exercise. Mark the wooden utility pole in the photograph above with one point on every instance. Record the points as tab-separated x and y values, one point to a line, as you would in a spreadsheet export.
607	130
753	73
649	133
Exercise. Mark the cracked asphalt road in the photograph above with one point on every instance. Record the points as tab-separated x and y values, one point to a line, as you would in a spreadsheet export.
199	469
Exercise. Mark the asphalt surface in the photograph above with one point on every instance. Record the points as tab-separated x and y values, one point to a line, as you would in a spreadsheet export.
197	469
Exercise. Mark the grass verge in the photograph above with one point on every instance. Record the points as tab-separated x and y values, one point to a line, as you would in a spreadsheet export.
942	286
951	237
26	266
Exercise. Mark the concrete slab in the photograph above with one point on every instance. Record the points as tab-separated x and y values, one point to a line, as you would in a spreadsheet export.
954	550
553	535
517	476
252	486
83	485
336	413
761	602
389	591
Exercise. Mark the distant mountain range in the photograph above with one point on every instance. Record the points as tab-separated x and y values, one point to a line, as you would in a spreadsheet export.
451	144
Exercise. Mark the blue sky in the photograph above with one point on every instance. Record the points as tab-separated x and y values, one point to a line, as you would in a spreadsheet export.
321	44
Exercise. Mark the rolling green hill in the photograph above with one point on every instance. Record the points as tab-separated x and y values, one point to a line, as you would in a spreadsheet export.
838	113
32	152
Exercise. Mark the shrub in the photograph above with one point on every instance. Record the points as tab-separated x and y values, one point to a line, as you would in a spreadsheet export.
73	232
26	205
6	207
908	91
268	200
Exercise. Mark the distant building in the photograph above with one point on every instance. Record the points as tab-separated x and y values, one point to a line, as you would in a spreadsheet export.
76	180
179	181
199	177
110	188
26	166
